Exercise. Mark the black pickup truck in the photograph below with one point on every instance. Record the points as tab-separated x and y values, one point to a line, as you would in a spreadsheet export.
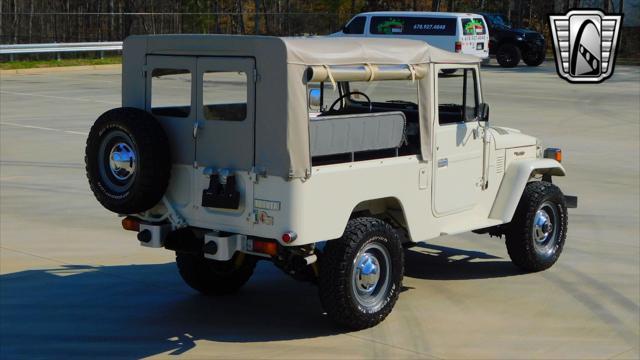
510	45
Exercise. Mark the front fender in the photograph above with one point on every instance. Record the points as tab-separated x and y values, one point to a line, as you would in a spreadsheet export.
514	181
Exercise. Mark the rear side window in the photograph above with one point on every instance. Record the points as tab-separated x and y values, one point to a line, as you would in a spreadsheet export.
224	95
473	26
356	26
171	92
399	25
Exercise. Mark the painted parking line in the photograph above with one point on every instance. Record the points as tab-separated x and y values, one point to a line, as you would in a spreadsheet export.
60	97
43	128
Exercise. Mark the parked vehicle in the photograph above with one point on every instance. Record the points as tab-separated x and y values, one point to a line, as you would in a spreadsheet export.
457	32
510	45
324	155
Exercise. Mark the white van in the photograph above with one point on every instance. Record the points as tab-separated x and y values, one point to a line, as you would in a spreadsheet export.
457	32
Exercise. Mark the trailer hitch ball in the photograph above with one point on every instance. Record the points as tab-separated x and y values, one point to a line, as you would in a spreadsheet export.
210	248
145	236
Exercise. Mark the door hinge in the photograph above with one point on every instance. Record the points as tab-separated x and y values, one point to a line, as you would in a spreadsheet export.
255	75
145	71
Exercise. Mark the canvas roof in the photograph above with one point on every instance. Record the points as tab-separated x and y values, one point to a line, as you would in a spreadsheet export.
281	113
358	50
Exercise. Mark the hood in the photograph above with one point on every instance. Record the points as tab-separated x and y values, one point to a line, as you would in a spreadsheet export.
506	138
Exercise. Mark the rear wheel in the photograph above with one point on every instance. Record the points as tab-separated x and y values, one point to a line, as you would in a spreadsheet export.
508	56
213	277
361	273
536	235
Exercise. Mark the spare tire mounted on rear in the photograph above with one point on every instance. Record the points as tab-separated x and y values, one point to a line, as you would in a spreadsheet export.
128	160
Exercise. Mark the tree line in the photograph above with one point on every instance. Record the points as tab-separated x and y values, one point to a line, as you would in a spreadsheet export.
33	21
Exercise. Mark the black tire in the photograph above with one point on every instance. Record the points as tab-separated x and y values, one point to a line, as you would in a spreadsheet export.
508	56
448	71
212	277
140	183
533	58
341	261
528	246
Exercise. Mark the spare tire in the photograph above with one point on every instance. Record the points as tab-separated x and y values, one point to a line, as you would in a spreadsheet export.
128	160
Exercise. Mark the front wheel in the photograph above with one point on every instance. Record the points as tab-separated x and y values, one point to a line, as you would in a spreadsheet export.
536	235
533	58
361	273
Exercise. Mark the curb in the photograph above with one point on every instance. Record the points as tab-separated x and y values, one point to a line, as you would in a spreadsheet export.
56	69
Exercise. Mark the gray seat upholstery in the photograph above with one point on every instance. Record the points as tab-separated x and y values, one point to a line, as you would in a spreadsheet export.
339	134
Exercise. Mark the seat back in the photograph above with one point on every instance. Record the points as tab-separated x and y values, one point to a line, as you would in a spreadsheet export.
339	134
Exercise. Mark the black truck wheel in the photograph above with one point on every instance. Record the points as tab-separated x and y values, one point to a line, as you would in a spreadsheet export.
533	58
535	237
508	55
127	160
212	277
361	273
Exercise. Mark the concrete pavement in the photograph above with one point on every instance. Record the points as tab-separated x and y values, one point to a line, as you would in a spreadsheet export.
73	284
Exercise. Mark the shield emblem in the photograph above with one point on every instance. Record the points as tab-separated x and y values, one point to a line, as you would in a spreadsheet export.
585	43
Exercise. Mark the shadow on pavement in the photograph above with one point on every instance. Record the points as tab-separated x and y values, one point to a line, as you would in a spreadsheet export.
547	67
433	262
135	311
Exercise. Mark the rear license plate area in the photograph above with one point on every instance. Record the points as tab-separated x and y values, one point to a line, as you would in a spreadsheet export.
480	46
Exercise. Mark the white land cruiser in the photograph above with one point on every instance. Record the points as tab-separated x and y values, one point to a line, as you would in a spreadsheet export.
326	156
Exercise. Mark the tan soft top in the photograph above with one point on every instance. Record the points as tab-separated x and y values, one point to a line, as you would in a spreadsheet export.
283	67
356	50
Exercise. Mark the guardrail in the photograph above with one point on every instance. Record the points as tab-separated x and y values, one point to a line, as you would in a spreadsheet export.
58	48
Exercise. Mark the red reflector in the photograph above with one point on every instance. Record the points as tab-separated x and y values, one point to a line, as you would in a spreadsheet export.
458	46
265	247
131	223
289	237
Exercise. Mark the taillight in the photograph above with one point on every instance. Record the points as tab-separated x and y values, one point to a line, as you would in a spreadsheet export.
458	46
131	223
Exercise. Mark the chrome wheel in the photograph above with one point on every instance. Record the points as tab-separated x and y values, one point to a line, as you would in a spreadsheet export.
371	276
118	161
544	231
122	161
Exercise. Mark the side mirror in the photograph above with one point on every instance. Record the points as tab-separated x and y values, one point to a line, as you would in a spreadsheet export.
483	112
314	98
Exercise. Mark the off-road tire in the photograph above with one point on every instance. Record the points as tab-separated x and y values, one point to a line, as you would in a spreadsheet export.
337	263
533	59
150	145
508	55
520	241
213	277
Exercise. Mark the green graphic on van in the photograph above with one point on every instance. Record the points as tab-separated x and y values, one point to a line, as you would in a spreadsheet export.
391	26
473	27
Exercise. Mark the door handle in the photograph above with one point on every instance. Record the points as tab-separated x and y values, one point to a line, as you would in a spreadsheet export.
444	162
196	127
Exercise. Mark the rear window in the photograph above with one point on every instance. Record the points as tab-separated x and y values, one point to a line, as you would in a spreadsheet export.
399	25
473	26
356	26
171	92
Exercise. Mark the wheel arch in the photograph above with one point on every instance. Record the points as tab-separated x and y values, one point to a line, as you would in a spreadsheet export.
389	209
518	174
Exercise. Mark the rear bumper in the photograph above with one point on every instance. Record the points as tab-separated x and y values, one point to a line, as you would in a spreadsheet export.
571	201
